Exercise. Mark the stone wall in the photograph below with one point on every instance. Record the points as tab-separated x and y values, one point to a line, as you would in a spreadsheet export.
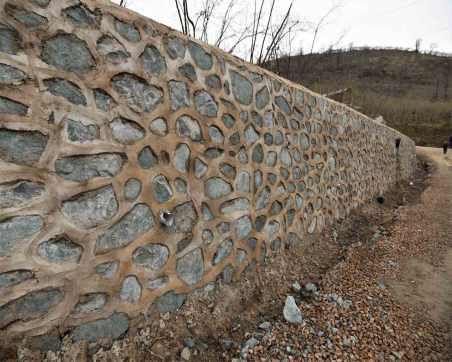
138	165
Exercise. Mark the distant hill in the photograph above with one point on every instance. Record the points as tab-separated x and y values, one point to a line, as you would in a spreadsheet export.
412	91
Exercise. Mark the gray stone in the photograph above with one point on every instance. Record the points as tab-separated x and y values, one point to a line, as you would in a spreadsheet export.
19	193
251	135
185	218
17	228
271	159
216	188
112	49
242	88
213	81
60	87
242	156
112	327
271	178
234	139
239	204
180	185
268	139
79	132
305	143
213	152
178	95
243	227
90	303
265	326
14	277
41	3
202	58
272	228
139	94
188	127
281	102
170	302
190	267
132	189
268	120
285	157
199	167
206	212
223	227
151	256
30	19
207	236
132	225
262	98
127	31
9	106
103	100
10	40
11	76
188	71
228	120
159	127
30	306
147	158
260	222
184	243
130	289
258	153
216	135
108	269
263	198
279	138
44	343
206	104
242	184
175	47
81	16
158	283
258	180
276	208
60	250
92	208
291	312
81	168
161	189
182	158
125	131
153	62
227	274
228	170
68	52
224	250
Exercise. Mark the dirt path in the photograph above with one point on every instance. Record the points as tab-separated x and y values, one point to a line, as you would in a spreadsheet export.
426	278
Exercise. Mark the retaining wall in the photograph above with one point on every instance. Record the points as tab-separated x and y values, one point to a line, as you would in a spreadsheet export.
137	165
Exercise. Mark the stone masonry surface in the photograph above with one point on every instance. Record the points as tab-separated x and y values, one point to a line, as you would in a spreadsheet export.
137	165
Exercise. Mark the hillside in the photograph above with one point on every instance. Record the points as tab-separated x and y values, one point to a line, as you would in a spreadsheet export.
412	91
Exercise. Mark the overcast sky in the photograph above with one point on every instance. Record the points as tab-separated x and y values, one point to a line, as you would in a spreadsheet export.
394	23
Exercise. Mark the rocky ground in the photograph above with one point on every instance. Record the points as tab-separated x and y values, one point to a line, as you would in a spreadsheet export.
376	286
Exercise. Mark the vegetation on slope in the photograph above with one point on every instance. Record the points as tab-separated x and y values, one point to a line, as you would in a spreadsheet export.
411	90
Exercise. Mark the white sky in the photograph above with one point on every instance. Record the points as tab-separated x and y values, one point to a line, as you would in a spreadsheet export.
394	23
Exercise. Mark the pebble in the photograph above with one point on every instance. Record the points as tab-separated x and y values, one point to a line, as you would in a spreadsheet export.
186	354
249	344
291	312
265	326
296	287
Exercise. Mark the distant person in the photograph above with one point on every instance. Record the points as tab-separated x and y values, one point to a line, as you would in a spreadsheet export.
445	146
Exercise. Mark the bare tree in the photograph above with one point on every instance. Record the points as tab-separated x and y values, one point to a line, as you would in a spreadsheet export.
321	23
418	45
